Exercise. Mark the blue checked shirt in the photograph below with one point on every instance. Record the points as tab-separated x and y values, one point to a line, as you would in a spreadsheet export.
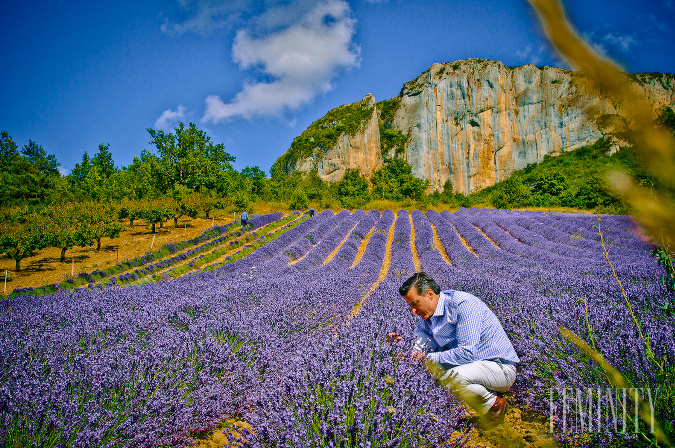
463	330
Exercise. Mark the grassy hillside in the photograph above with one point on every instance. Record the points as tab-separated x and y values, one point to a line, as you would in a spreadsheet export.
574	179
323	133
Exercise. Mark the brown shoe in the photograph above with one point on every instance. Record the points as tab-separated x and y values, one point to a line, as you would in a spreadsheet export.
495	415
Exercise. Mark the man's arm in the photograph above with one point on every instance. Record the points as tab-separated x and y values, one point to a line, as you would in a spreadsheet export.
468	336
423	341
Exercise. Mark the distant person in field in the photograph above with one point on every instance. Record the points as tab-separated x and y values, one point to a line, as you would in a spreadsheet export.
459	332
311	212
244	219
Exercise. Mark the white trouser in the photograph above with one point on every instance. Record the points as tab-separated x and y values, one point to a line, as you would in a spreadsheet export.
478	381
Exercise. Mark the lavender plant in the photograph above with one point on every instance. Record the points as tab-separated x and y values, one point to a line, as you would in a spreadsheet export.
297	349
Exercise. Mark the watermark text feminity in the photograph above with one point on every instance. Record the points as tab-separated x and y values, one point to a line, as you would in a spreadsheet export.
579	410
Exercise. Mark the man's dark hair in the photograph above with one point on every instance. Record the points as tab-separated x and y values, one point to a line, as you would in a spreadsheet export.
422	281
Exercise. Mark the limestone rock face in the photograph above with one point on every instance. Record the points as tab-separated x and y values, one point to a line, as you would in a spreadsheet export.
474	122
358	151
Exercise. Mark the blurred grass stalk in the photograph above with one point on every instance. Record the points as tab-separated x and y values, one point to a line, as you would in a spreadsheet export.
616	380
633	122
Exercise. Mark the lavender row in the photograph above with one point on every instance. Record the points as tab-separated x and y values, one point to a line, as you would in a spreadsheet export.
402	265
474	238
373	256
425	245
256	223
275	247
629	267
356	390
118	365
459	255
303	245
349	250
330	242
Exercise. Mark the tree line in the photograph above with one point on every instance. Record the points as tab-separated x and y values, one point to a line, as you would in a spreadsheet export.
189	175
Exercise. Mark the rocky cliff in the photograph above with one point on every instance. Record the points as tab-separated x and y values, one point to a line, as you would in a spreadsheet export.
472	122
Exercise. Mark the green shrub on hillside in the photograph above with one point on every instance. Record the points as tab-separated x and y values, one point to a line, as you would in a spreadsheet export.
390	137
353	190
324	133
299	200
512	193
395	181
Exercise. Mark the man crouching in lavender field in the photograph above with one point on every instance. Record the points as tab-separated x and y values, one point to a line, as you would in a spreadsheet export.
459	332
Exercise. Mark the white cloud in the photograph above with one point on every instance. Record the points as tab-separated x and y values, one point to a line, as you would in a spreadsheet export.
531	54
621	42
608	43
652	23
299	46
170	118
206	16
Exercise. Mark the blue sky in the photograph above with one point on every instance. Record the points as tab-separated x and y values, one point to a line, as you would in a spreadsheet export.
255	74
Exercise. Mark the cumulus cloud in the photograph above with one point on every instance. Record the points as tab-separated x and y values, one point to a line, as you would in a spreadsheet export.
298	47
170	118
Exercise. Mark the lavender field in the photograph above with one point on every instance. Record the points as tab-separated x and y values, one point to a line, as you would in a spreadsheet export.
291	337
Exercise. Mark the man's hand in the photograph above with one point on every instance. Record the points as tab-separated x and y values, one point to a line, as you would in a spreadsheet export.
417	356
393	337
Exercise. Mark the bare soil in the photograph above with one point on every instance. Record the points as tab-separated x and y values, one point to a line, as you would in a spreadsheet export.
45	267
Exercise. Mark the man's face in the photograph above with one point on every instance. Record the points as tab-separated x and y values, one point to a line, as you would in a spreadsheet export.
422	305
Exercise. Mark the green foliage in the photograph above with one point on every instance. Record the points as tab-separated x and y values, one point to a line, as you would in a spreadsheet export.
257	178
323	134
573	179
512	193
666	119
395	181
596	151
153	213
592	193
207	201
387	110
101	221
98	179
299	200
241	201
188	158
8	150
390	137
314	186
43	162
29	178
184	203
103	161
353	190
22	234
67	228
452	199
550	188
